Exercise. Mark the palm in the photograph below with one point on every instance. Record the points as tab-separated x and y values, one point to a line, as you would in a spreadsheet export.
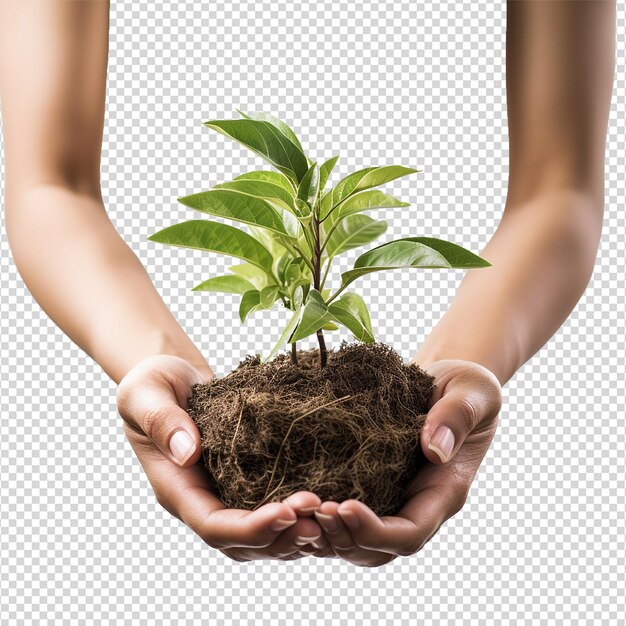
152	399
438	490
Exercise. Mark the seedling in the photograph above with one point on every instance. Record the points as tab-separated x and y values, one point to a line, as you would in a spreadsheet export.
296	229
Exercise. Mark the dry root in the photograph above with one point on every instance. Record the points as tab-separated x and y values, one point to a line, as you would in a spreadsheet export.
349	430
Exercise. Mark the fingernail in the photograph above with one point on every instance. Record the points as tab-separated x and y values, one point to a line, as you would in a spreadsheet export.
310	509
442	442
281	524
182	446
349	518
303	541
328	522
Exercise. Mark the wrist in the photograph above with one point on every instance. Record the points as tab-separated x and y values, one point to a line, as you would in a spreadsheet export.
500	364
118	358
181	346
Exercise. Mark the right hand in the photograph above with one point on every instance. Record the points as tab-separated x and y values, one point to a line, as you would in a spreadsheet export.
152	399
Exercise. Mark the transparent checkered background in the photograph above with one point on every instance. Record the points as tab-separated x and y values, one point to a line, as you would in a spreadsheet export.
541	539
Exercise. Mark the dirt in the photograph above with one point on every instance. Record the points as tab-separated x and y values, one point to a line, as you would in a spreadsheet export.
348	430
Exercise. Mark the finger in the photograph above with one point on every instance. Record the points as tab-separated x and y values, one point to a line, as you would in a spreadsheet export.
325	553
227	528
296	540
400	535
304	503
340	538
185	493
429	509
149	401
466	401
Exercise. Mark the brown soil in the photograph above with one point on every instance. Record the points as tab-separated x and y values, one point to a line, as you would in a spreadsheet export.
349	430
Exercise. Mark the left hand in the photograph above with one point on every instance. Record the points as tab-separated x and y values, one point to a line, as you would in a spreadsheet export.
465	405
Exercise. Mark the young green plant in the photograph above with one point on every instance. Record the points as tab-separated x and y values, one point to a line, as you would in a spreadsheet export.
296	229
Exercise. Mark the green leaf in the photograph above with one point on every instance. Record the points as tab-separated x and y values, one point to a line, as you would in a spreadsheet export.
310	186
372	199
256	276
455	255
292	271
250	302
304	210
314	315
325	170
268	176
361	180
286	335
330	326
301	282
421	252
281	264
304	246
225	284
282	127
238	206
261	189
215	237
351	311
352	232
269	295
268	142
268	240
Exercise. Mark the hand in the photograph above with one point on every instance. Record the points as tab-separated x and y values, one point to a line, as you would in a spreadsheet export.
152	399
460	426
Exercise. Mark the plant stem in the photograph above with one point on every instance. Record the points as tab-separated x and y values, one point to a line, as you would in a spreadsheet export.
329	233
325	274
332	209
323	352
317	259
336	294
307	237
306	261
294	354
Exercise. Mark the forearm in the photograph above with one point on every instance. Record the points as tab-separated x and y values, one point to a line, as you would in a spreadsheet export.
560	59
542	257
89	281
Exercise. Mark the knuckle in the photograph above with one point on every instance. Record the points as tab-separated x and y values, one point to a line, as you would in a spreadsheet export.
468	414
232	554
152	422
211	541
122	400
209	538
433	532
384	560
414	546
459	495
163	501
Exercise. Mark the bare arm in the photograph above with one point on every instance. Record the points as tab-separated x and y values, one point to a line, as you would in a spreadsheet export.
53	59
560	64
53	63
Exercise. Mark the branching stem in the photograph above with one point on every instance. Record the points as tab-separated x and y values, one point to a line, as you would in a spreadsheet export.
330	232
336	294
317	262
325	273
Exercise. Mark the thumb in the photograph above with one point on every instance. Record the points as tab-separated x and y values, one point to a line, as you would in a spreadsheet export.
470	396
149	401
449	421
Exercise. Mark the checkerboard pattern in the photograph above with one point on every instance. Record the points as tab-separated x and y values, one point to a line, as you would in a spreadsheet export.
541	538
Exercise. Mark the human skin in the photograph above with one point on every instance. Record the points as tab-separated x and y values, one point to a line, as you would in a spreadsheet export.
560	64
560	61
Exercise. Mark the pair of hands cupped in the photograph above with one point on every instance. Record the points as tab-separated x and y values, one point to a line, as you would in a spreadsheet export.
461	424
